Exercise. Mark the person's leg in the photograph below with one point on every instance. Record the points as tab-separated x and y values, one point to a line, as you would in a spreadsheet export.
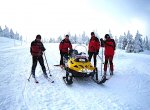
34	63
111	65
90	56
41	61
61	58
105	64
65	58
95	60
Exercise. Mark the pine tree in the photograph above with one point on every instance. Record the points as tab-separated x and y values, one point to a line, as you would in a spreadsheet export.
130	43
138	46
116	40
1	32
146	45
119	45
6	32
124	42
59	39
12	34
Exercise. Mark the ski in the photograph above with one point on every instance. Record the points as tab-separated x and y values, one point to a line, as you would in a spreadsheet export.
56	65
49	79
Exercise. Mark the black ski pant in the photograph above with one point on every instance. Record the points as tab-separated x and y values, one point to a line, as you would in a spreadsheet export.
94	55
35	59
62	55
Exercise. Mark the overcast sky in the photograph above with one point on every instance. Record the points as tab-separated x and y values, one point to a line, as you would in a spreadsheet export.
52	18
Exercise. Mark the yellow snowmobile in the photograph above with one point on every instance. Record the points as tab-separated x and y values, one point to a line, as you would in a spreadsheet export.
78	65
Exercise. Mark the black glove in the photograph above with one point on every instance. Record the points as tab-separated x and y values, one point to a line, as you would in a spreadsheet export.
102	42
97	52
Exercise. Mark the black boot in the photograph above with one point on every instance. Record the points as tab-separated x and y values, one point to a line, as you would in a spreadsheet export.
33	74
45	75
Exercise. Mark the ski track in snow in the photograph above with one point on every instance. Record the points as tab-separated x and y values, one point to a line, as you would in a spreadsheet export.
126	90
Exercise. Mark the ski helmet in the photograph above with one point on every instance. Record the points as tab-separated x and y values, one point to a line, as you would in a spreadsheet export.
38	36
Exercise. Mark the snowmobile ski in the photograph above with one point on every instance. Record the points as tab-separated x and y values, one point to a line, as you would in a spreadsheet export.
104	79
67	82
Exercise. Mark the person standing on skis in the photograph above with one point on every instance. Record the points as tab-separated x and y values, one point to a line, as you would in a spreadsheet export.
64	47
109	46
37	48
93	47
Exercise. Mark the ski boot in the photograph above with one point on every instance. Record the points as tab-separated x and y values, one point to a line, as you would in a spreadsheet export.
111	73
45	75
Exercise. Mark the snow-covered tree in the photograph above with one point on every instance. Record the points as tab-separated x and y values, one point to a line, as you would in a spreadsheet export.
116	40
59	39
130	43
1	32
146	45
85	38
75	39
119	45
16	36
6	32
12	34
138	46
122	42
51	40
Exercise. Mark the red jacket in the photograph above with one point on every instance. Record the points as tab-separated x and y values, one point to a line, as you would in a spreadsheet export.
37	48
110	46
64	45
94	45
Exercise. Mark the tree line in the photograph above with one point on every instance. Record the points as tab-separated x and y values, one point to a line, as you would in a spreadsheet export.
126	42
9	33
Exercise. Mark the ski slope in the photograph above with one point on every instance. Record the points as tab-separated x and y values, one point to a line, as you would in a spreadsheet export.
128	89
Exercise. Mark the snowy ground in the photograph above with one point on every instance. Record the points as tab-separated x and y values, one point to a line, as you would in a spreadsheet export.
128	89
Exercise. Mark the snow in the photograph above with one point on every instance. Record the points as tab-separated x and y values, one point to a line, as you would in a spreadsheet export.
128	89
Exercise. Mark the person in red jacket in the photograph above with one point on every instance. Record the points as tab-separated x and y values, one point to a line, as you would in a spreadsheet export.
109	45
93	47
37	48
64	47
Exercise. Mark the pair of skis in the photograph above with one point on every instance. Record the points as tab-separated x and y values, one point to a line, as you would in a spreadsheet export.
47	78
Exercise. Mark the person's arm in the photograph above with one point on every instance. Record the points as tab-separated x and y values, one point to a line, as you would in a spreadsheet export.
60	46
31	48
70	46
43	48
114	45
102	42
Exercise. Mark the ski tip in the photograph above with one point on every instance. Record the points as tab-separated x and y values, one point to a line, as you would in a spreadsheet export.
52	82
36	82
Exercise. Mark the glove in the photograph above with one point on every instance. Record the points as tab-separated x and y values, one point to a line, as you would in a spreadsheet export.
97	52
102	42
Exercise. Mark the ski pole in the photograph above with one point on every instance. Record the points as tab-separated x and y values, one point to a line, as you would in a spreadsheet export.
102	62
47	64
29	77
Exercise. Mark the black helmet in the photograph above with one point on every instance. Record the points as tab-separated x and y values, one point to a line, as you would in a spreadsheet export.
67	35
107	36
92	33
38	36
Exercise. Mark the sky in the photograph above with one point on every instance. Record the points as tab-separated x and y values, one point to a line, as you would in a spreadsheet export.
52	18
